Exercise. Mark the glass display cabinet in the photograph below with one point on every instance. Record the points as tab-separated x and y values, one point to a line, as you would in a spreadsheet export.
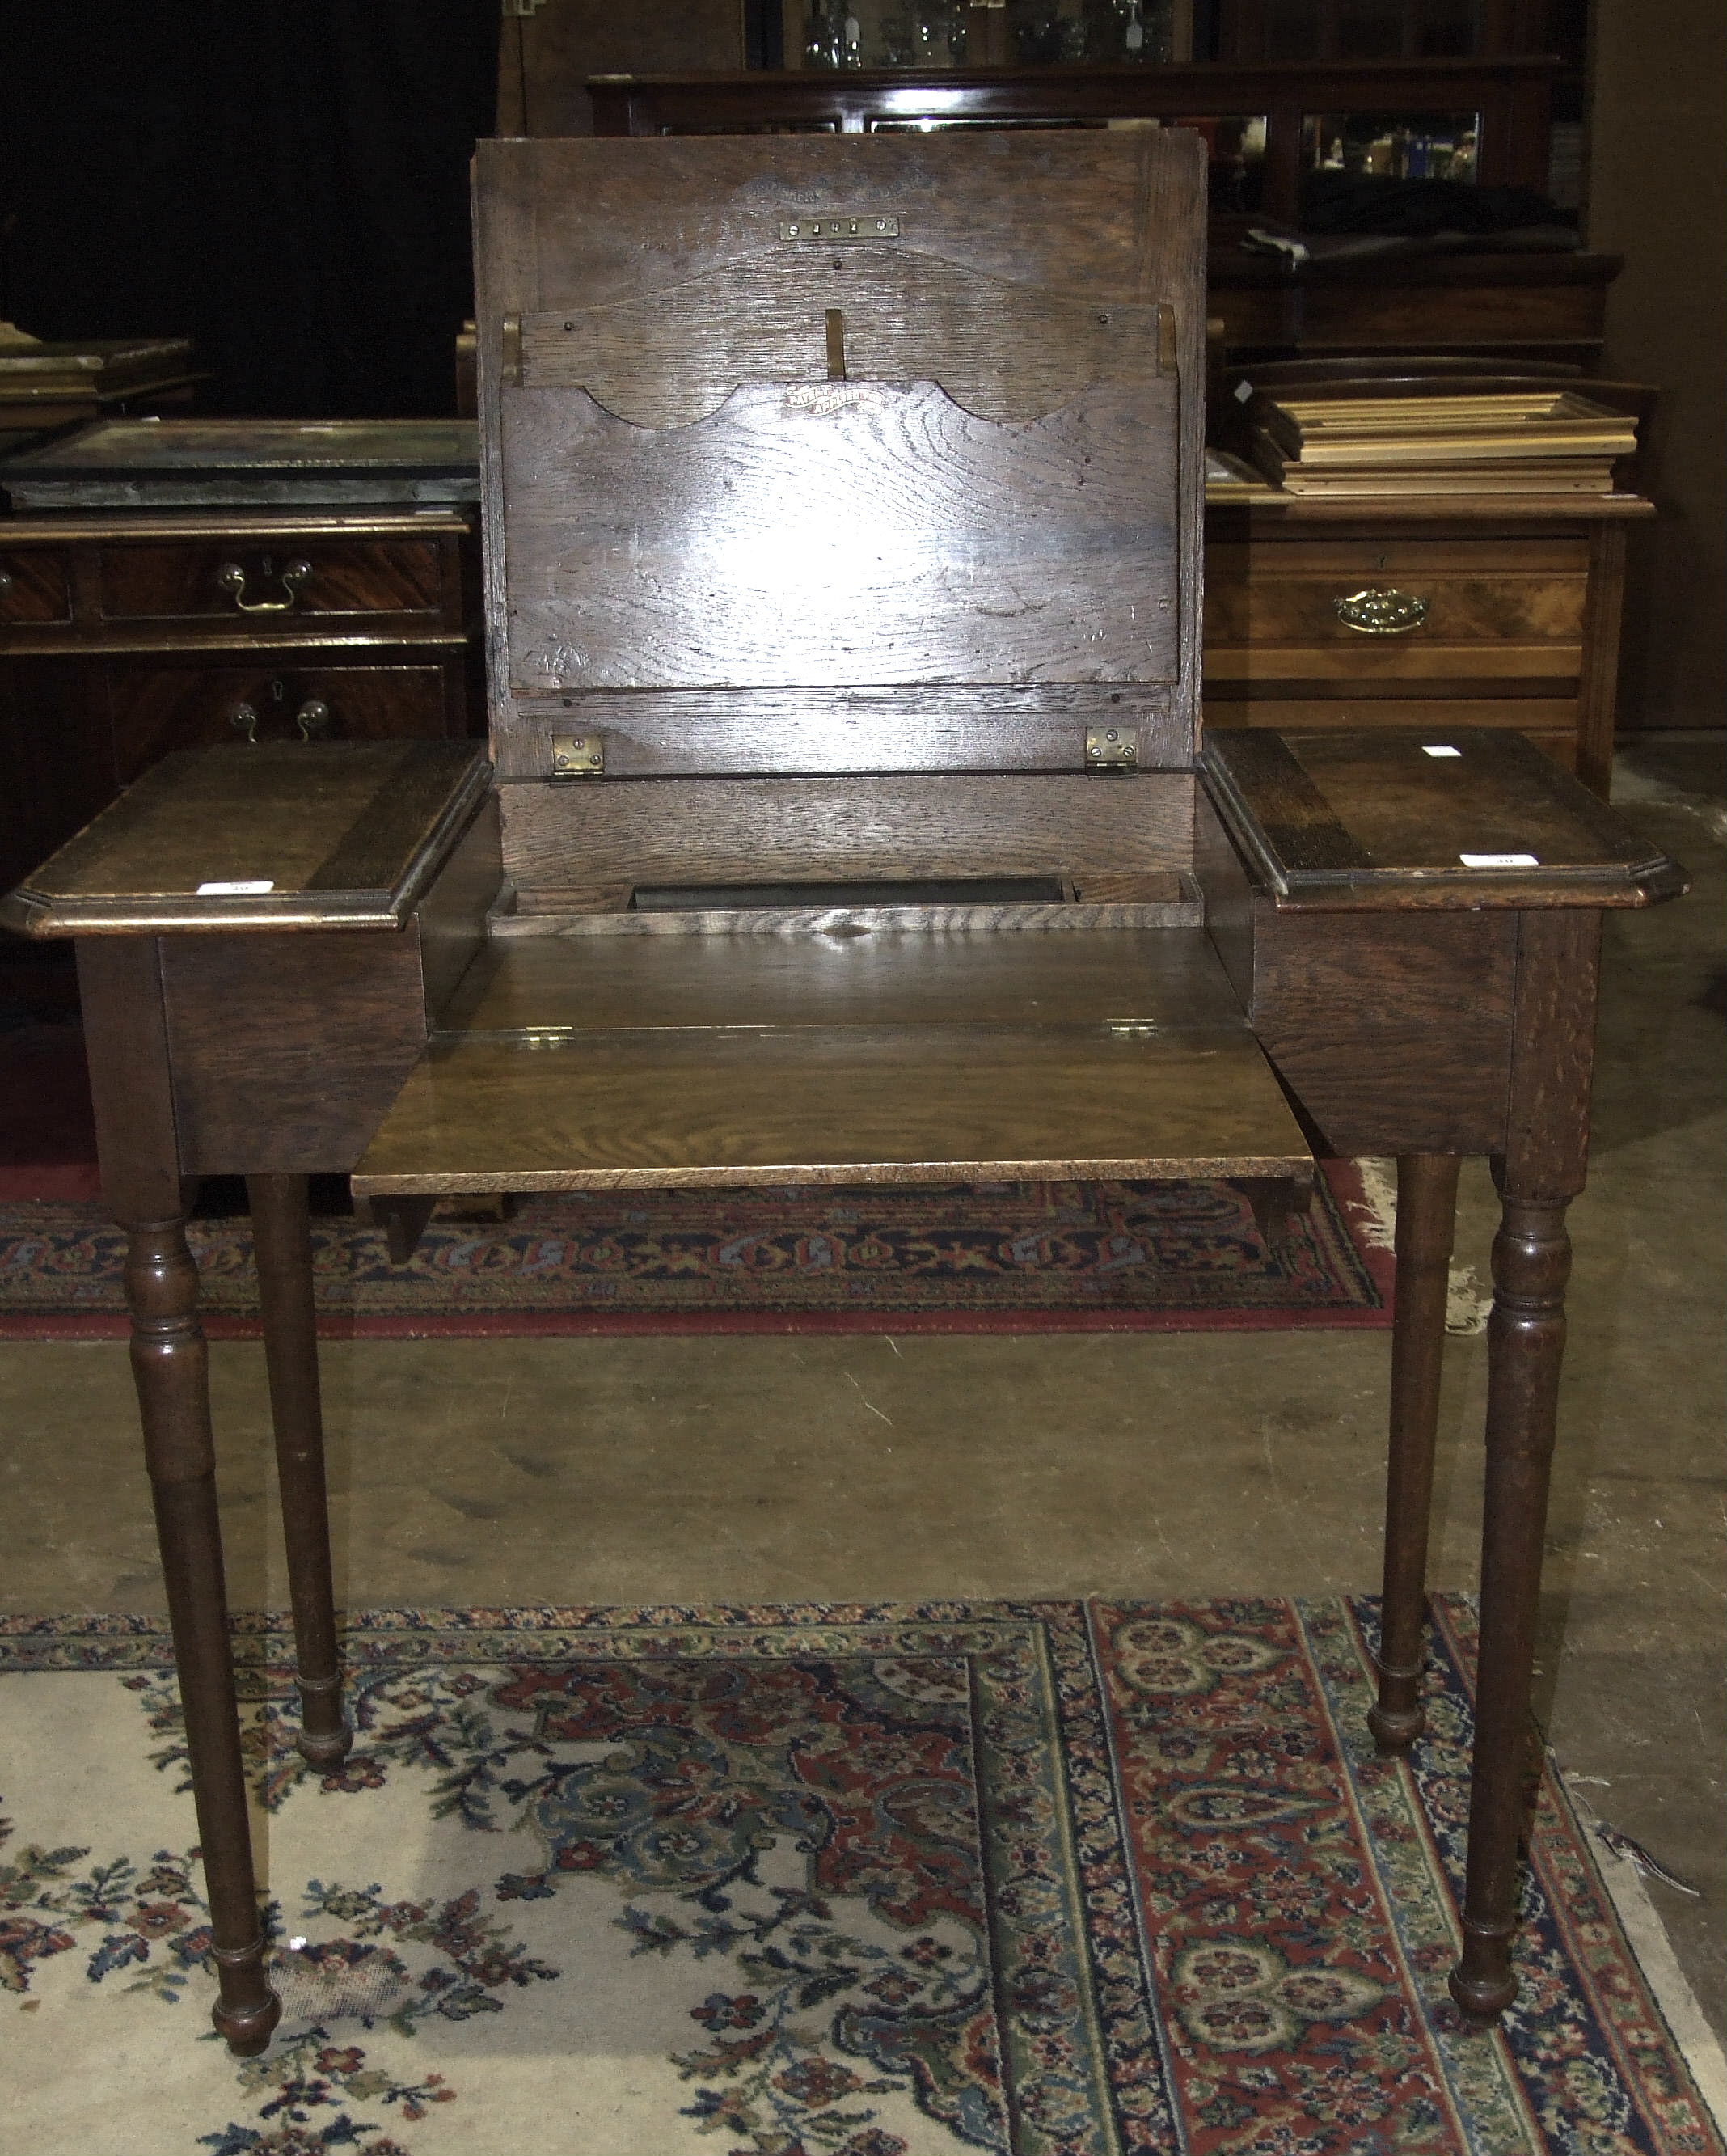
1269	129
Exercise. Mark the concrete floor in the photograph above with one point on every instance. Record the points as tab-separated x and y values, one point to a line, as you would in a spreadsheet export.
760	1469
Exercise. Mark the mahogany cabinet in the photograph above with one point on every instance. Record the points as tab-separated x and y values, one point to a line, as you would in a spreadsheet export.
125	636
1508	617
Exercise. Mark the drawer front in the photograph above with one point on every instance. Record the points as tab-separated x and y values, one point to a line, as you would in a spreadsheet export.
166	708
34	586
1361	610
270	584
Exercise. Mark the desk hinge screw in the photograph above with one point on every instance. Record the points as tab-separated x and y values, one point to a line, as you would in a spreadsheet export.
578	756
1112	749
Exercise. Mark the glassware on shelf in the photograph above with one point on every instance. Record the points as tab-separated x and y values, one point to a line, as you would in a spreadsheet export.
1395	145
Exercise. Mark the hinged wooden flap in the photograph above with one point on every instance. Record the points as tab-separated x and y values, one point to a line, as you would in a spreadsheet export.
752	515
837	533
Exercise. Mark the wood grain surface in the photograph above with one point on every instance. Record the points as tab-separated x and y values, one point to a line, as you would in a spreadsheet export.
344	833
1003	351
840	532
1100	218
1364	817
1392	1030
839	1105
1158	899
982	727
1163	977
287	1055
776	830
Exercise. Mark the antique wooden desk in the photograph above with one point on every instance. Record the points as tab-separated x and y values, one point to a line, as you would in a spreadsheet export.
889	851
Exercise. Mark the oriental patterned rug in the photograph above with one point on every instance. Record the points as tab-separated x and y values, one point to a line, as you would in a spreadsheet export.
1035	1880
1007	1257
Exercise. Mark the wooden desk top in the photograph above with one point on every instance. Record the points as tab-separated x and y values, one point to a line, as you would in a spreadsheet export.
283	835
1460	819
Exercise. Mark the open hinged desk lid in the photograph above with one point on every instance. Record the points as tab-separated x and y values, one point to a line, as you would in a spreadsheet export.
812	456
346	835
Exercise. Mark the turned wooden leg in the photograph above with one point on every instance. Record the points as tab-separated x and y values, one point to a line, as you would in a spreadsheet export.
281	1232
171	1370
1532	1259
1427	1207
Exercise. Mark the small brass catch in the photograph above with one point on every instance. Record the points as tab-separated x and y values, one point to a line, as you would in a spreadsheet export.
829	228
1112	749
578	756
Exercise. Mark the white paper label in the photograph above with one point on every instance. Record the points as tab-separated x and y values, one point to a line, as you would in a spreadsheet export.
255	890
1243	391
1441	751
1499	860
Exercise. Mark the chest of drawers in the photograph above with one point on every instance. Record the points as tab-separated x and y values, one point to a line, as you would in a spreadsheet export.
1463	613
123	636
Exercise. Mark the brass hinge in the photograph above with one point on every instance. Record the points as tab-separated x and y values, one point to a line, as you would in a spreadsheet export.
578	756
828	229
1112	750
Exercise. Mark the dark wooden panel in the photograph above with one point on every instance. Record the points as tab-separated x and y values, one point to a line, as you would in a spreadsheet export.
128	1046
808	829
546	52
1363	317
839	533
1394	1032
1004	352
1162	977
842	1105
691	733
160	708
1486	543
451	918
1547	1134
288	1049
1228	894
56	757
168	583
34	586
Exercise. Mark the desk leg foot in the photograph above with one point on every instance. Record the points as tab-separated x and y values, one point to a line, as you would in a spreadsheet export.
171	1367
282	1237
1427	1208
1532	1260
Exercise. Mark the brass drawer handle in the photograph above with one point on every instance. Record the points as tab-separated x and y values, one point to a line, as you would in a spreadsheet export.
1378	610
313	718
232	578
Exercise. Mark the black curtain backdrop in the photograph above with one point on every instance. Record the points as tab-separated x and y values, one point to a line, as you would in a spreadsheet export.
286	183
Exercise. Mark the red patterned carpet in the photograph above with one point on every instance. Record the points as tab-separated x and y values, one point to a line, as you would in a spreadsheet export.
1031	1879
1011	1257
